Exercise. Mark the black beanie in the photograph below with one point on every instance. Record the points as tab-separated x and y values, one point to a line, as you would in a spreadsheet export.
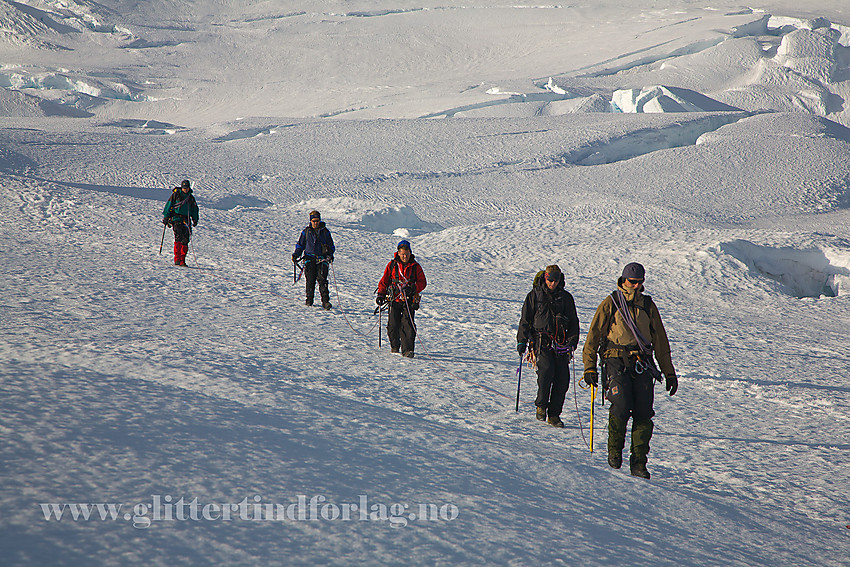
634	271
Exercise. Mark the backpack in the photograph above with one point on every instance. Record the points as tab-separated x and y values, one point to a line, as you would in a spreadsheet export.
538	277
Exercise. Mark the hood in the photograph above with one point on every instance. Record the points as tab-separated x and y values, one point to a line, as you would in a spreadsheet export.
630	294
542	284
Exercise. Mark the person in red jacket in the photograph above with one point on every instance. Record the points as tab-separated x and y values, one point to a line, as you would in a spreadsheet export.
401	284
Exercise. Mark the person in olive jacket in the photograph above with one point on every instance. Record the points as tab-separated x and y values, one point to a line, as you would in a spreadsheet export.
549	328
180	209
625	332
401	284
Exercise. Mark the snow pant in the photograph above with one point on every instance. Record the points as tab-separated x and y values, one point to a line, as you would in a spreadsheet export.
182	234
315	271
401	329
553	380
631	395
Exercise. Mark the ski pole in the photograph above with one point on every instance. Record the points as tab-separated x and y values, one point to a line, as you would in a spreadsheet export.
161	242
518	380
379	328
592	403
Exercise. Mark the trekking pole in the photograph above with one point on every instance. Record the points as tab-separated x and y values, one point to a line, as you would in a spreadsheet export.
592	403
518	381
379	327
161	242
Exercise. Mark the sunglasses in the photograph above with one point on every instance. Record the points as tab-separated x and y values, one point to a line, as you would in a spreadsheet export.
634	282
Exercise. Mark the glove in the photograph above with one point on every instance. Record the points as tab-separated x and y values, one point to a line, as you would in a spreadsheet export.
591	377
671	383
331	259
295	256
166	221
520	348
409	290
381	299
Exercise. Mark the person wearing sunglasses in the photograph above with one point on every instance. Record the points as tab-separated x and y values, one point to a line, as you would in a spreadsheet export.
548	329
400	287
317	246
626	333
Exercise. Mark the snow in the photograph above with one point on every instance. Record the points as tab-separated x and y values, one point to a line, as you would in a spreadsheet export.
488	134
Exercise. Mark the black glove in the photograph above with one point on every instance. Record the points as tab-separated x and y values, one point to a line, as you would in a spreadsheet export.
295	256
520	348
671	383
330	259
591	377
409	290
166	221
381	299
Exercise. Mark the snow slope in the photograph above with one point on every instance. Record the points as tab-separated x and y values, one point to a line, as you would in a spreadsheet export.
128	381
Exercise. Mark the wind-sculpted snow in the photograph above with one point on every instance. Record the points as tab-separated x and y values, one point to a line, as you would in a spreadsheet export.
755	62
387	218
781	64
146	126
181	392
229	202
250	133
805	273
665	99
60	16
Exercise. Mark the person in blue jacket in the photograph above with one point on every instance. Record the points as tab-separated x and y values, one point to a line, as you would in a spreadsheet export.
317	246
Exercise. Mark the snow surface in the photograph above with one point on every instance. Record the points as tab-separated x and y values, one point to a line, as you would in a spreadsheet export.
710	144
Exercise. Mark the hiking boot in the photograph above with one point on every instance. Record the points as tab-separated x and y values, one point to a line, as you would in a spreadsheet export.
394	349
639	469
641	434
616	441
326	305
555	421
309	303
541	413
407	354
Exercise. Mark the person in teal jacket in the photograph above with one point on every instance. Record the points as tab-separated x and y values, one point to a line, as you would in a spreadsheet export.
181	210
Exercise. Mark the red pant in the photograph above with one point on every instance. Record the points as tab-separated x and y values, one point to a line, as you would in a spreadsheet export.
180	251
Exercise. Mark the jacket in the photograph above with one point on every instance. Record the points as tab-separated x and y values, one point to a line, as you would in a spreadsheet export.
398	277
316	242
548	315
609	335
181	204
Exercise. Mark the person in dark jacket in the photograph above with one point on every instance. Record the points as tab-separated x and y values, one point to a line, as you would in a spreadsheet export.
626	341
548	329
317	246
179	210
401	284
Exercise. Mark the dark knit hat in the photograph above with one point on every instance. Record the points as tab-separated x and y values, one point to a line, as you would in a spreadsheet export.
634	271
185	184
